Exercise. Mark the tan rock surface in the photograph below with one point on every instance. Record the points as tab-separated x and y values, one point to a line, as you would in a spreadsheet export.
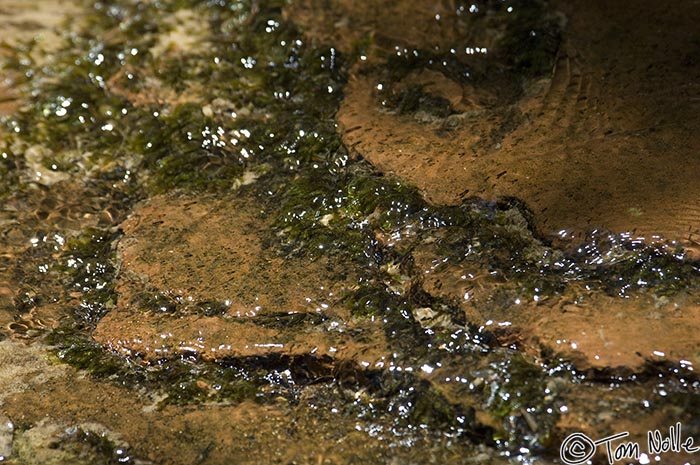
590	328
608	141
205	252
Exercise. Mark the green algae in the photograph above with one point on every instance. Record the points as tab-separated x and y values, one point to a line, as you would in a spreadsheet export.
519	396
89	268
72	346
86	104
336	213
76	444
416	98
325	203
176	147
624	266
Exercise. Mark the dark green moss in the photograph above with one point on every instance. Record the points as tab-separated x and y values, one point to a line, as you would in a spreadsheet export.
284	320
338	212
407	403
531	41
73	109
347	210
312	222
373	299
417	99
92	92
259	378
88	266
623	266
517	394
75	348
184	150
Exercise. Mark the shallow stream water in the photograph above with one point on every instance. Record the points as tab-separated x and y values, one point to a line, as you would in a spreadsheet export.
333	232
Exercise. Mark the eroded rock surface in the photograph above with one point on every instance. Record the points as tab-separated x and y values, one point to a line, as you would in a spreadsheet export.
196	279
591	136
604	140
201	330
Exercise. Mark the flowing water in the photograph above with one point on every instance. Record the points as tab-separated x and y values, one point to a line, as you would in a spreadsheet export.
333	232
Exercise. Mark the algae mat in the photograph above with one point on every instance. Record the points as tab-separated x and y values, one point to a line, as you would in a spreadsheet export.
197	266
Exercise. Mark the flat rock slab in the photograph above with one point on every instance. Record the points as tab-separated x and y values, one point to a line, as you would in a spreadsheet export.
196	279
592	329
612	332
608	141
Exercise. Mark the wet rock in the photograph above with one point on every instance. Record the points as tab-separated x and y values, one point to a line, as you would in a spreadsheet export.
593	329
553	117
6	437
198	286
599	141
49	443
623	334
196	279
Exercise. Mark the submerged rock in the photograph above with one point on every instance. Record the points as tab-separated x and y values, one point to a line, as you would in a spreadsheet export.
53	443
420	332
531	102
603	139
592	329
197	280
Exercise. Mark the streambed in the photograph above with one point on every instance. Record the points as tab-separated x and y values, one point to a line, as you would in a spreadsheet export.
300	232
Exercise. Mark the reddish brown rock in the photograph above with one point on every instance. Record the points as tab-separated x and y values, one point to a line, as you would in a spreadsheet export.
181	257
592	329
607	141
